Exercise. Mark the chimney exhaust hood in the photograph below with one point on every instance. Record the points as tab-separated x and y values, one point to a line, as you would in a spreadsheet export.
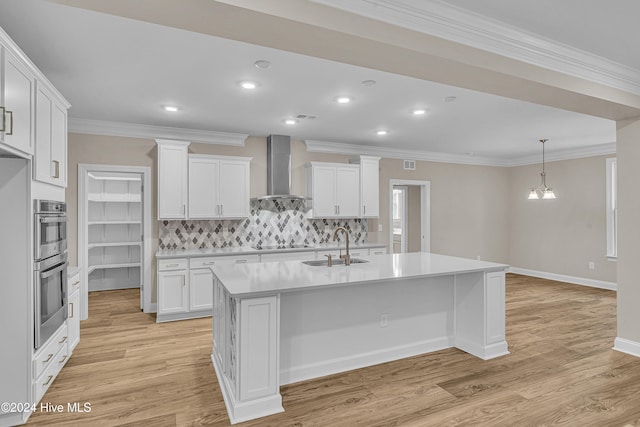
279	169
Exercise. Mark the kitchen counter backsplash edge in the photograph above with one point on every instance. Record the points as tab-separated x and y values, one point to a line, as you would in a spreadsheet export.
248	250
271	223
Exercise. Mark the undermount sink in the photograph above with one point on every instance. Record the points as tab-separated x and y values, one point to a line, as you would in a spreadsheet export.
338	261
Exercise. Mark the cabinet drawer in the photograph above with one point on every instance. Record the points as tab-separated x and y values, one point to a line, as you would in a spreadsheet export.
172	264
306	255
202	262
44	381
46	355
237	259
377	251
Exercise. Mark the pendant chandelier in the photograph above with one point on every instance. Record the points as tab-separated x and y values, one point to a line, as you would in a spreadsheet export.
542	191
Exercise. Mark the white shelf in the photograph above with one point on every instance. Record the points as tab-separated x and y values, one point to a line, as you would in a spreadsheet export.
113	244
116	222
93	268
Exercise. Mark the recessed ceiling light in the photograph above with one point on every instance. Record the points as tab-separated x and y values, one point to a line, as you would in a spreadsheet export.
290	121
368	83
450	99
382	132
171	108
343	100
419	112
262	64
248	84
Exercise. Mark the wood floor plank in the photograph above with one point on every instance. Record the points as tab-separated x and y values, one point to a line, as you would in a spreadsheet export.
561	371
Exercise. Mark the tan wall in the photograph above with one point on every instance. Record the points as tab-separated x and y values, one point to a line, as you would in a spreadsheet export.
413	218
469	210
628	147
563	235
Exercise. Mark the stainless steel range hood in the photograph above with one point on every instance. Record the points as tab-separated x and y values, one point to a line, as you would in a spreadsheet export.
279	169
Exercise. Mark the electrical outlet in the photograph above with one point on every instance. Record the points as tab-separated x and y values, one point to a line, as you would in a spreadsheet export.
478	257
592	265
379	227
384	320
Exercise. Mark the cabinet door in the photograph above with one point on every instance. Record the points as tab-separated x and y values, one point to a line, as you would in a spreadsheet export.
369	188
324	191
18	103
172	292
203	188
43	170
59	145
173	162
348	191
73	321
200	290
234	189
495	307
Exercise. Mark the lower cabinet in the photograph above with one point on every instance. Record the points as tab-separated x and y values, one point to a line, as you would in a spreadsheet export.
185	285
49	360
73	316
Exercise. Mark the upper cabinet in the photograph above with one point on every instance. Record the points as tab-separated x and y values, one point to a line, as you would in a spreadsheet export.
218	187
33	115
50	162
194	186
173	162
369	186
334	190
17	86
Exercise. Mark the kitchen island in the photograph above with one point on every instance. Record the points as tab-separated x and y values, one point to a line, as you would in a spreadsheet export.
281	322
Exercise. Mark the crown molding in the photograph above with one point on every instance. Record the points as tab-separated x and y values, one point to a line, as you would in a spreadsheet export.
576	153
395	153
459	25
134	130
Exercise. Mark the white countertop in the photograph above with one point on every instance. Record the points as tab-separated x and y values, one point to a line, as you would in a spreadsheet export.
248	250
254	279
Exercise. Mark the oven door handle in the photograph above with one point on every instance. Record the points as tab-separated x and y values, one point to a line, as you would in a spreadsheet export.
53	219
49	273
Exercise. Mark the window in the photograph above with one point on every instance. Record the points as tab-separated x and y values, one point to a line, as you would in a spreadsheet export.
612	209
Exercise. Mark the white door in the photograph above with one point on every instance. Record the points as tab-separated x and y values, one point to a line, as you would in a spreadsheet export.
234	189
203	188
18	103
200	290
59	145
348	192
172	292
173	163
43	168
399	244
324	192
369	187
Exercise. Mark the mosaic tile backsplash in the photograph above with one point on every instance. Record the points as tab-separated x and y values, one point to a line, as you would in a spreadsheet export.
271	223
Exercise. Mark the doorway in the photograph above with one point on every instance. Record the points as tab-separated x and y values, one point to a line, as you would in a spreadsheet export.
114	229
409	216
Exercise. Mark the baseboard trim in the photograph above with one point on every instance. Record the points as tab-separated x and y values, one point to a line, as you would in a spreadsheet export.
627	346
349	363
612	286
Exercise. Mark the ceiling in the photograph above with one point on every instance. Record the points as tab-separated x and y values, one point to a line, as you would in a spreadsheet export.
121	70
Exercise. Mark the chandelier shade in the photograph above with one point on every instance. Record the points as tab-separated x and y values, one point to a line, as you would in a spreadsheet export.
542	191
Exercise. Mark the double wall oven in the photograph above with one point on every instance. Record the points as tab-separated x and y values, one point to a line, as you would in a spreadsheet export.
50	268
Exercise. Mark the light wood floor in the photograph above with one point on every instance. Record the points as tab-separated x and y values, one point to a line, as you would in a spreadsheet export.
561	371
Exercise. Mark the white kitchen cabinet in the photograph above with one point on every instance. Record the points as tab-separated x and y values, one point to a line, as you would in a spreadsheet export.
173	292
186	285
369	186
50	160
73	319
334	190
16	103
218	187
200	289
173	163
